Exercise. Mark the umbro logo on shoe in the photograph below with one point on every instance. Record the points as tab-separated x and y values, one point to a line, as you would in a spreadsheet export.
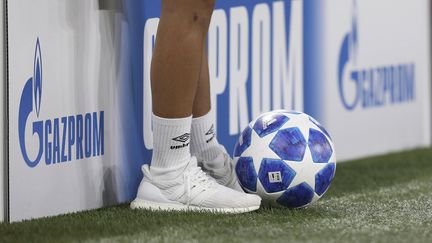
182	139
211	133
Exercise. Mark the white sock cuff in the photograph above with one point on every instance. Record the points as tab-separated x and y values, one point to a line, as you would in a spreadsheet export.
205	119
204	144
185	121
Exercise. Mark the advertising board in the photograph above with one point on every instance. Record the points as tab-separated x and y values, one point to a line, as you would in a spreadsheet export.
80	101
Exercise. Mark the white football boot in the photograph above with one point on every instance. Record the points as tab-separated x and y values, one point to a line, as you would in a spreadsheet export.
192	190
225	174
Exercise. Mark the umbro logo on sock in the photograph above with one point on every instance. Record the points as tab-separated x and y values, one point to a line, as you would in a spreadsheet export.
182	139
211	133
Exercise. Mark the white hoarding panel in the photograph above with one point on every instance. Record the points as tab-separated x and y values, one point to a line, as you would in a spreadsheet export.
375	64
62	108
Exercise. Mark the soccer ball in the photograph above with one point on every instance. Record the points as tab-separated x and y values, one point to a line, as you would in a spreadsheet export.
286	157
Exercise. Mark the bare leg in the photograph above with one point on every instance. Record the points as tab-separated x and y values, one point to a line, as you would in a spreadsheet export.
175	71
174	181
204	145
176	63
201	104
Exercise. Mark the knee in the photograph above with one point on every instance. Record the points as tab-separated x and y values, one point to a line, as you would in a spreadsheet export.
201	12
196	13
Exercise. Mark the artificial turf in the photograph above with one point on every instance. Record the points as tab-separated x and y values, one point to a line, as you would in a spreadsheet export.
381	199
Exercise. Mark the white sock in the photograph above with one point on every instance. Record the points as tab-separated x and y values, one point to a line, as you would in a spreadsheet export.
204	144
171	138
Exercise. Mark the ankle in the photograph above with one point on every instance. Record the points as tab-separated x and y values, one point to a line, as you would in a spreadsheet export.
204	144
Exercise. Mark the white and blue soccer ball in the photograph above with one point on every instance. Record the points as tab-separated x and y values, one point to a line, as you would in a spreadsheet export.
286	157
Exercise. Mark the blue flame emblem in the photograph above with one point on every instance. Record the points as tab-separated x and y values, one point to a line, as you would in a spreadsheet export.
37	78
354	34
348	54
30	101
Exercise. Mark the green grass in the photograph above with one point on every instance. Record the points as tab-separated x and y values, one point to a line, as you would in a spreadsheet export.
380	199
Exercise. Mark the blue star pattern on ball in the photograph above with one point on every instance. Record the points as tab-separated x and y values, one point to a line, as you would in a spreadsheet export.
246	173
285	157
323	178
320	147
244	142
319	126
297	196
305	171
275	175
269	123
289	144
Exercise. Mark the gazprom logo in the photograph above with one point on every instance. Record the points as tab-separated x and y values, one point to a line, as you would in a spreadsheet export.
61	139
373	86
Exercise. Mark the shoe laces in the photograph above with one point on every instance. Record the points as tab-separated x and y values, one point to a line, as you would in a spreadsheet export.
196	176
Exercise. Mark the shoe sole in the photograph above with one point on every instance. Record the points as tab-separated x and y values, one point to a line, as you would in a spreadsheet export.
153	206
